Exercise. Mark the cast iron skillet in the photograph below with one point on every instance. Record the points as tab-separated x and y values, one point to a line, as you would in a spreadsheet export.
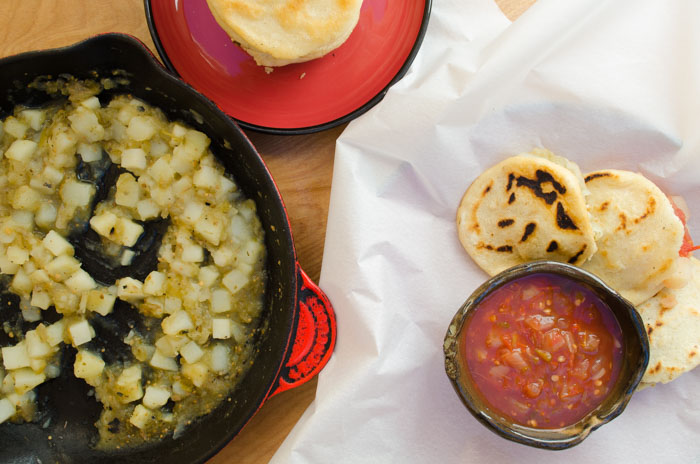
301	332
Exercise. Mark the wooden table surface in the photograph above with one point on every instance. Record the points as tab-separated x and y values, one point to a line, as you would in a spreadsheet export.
301	165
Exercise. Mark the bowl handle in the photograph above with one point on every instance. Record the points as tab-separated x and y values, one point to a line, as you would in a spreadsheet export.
314	338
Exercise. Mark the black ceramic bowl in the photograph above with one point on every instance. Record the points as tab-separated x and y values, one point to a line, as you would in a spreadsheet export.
635	358
301	332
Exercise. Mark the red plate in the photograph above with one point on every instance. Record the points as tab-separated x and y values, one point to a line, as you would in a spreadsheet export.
298	98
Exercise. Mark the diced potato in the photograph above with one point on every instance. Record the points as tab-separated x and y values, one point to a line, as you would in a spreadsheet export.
128	191
208	275
166	363
235	280
178	131
15	127
130	289
101	301
221	328
31	314
24	219
177	322
54	333
15	357
38	365
6	267
169	345
192	253
85	124
35	118
158	148
193	211
223	256
191	352
220	358
21	283
21	150
62	267
81	332
76	193
92	103
134	159
90	152
87	365
163	197
40	298
172	304
17	255
104	223
128	384
238	332
206	177
26	379
141	128
221	300
51	176
36	346
197	141
56	244
26	198
46	215
80	281
154	284
250	252
7	409
197	373
155	396
210	226
147	209
161	171
127	232
140	417
127	257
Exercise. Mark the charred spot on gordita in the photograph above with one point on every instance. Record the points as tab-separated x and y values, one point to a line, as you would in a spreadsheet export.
553	245
529	229
505	249
511	199
575	257
564	221
505	223
542	177
596	175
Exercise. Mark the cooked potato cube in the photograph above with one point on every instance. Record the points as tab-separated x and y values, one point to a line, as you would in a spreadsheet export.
161	171
141	128
104	223
15	357
26	379
62	267
177	322
191	352
81	332
134	159
155	397
128	384
206	177
170	345
56	244
87	365
128	191
76	193
235	280
192	253
101	301
221	300
154	284
40	299
221	328
161	361
86	125
147	209
197	373
90	152
193	211
21	150
130	289
127	232
54	333
36	347
210	226
46	215
17	255
7	409
80	281
208	275
140	417
219	358
15	127
35	118
92	103
26	198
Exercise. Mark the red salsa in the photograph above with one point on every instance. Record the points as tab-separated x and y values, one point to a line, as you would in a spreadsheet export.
543	350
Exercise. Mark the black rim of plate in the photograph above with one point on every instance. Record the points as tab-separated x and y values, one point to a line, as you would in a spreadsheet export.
319	127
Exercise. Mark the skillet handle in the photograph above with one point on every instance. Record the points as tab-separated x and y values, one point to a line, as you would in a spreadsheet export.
314	339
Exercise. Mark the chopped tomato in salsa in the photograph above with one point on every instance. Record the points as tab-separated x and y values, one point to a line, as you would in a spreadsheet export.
687	246
543	350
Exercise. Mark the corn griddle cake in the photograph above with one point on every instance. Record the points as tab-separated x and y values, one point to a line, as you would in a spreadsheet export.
280	32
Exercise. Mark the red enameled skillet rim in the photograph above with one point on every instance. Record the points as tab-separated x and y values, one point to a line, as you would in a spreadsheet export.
320	123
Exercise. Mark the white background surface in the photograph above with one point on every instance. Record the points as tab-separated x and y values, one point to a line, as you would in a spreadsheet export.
608	84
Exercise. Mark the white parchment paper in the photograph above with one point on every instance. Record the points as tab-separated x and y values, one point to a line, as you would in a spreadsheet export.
606	83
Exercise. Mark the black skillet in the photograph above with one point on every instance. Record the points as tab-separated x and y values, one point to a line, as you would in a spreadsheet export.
301	332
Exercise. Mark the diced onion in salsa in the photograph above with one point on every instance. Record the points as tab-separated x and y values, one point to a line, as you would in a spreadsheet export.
543	350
